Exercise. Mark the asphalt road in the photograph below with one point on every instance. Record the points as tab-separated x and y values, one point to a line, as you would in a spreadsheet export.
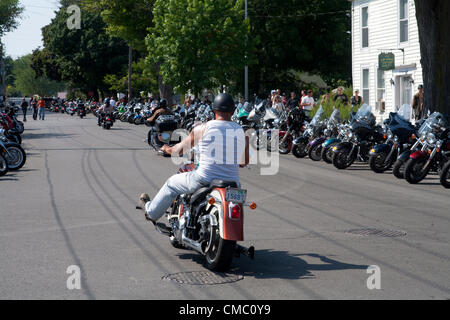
73	204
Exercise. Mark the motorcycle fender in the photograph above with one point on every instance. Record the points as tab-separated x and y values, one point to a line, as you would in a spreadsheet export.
300	140
229	229
317	141
380	148
342	146
404	156
330	141
419	155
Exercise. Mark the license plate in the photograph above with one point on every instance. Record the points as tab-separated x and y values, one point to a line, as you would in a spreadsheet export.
235	195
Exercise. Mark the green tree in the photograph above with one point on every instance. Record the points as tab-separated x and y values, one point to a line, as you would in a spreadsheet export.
10	10
303	35
27	83
199	44
130	21
81	58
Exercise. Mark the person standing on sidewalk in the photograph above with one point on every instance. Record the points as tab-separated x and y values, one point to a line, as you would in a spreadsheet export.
24	106
33	104
417	104
41	105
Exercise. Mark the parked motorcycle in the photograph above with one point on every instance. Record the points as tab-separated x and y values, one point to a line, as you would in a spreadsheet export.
435	151
14	155
317	145
363	136
312	130
445	175
400	134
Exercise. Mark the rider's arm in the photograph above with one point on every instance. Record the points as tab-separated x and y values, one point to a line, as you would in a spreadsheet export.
247	153
187	144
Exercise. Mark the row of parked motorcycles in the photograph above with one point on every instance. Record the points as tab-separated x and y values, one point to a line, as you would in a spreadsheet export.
12	155
412	151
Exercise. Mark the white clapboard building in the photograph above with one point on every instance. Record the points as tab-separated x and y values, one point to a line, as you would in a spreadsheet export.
387	27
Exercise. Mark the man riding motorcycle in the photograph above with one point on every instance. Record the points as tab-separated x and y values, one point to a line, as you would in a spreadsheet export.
217	159
103	110
160	110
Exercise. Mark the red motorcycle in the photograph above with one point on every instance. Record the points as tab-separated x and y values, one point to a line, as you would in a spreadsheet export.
210	221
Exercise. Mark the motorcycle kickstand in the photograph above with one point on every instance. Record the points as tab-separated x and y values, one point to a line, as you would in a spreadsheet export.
249	252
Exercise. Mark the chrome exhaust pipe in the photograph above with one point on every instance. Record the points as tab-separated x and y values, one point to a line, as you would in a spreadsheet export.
197	246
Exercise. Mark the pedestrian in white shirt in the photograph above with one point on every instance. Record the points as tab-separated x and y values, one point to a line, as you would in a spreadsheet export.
308	102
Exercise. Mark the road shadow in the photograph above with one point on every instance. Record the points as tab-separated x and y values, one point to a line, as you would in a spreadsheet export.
273	264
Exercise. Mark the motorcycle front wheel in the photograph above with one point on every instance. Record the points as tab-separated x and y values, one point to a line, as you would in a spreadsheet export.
327	153
315	153
3	166
445	175
342	159
16	157
414	172
379	163
299	150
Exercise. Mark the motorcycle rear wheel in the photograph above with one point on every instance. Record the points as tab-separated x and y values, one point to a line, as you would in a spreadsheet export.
221	252
414	172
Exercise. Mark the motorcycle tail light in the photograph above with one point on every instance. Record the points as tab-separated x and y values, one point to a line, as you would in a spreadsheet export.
211	201
252	206
235	211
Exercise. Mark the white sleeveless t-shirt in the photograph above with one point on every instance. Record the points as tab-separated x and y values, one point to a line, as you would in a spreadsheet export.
221	151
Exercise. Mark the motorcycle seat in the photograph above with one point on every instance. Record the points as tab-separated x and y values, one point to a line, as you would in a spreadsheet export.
216	183
199	194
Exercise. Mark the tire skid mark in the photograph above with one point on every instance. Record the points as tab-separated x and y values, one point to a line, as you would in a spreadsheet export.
107	175
68	241
137	226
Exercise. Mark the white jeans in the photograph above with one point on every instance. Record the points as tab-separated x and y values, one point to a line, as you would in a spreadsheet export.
183	183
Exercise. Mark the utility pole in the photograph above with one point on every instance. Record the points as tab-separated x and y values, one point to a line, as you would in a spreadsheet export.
130	70
2	72
246	67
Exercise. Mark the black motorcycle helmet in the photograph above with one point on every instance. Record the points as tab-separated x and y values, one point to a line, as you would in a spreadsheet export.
224	103
163	103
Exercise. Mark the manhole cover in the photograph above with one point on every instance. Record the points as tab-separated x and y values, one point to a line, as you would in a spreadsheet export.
203	277
377	232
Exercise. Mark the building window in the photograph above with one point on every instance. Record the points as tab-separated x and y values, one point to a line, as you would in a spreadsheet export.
365	27
365	86
380	85
403	20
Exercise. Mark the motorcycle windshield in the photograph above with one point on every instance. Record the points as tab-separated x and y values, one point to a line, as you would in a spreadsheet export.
434	119
318	116
364	114
405	112
335	117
